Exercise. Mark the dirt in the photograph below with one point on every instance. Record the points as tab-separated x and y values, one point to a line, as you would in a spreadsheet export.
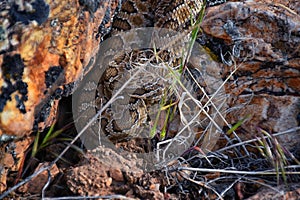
106	173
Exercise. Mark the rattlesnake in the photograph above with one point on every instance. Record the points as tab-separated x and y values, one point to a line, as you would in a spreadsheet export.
128	115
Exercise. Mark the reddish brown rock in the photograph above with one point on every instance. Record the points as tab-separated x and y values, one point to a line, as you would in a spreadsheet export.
35	185
281	192
45	45
12	158
91	178
273	114
259	41
95	176
117	175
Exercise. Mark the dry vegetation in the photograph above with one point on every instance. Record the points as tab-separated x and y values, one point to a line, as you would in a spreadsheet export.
215	164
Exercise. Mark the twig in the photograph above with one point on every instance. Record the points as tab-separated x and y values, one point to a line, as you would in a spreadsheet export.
256	139
266	172
91	197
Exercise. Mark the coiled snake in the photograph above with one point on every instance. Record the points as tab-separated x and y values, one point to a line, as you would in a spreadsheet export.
137	105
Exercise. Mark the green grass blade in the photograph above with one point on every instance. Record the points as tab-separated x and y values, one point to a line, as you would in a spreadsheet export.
35	145
238	124
46	138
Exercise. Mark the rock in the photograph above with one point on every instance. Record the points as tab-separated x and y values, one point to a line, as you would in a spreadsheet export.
89	178
36	184
94	176
108	182
259	43
45	46
147	194
116	174
273	114
12	158
281	192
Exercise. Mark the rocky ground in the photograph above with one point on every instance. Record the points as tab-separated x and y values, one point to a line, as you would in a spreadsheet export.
262	36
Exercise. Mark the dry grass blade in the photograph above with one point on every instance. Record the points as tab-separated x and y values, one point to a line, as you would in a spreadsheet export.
273	151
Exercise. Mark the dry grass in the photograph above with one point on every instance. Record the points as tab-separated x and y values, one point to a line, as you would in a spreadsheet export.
210	170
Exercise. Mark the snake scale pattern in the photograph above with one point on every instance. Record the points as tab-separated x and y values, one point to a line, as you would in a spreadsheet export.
126	119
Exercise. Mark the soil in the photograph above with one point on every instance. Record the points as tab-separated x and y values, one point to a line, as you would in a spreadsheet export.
108	174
